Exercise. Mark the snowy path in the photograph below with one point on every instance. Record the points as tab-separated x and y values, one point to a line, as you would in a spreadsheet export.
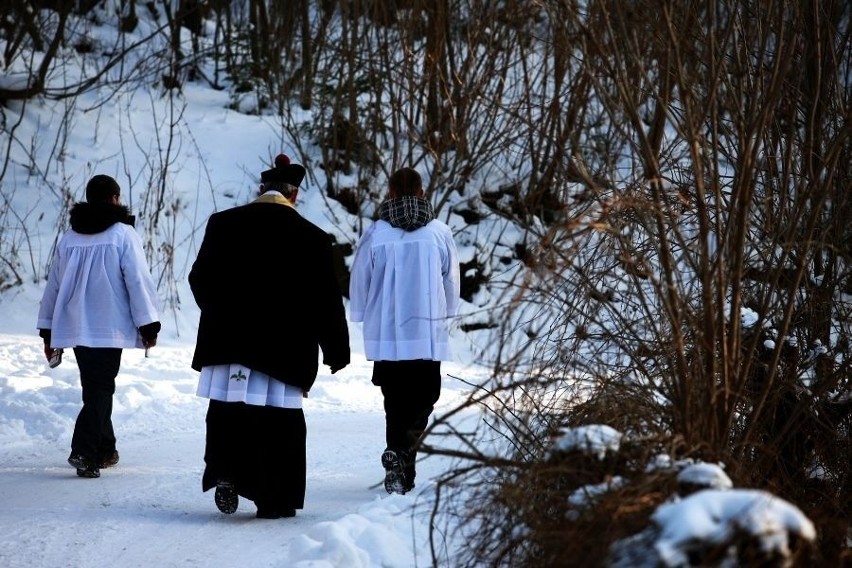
150	511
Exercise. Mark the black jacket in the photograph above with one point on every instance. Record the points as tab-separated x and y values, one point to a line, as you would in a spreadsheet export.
269	298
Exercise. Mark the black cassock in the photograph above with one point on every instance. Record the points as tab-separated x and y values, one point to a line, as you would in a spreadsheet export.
261	449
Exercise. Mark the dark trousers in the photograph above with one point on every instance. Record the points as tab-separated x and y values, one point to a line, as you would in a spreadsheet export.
94	437
261	449
410	390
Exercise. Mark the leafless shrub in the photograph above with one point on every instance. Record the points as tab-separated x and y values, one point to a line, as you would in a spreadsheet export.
650	175
693	281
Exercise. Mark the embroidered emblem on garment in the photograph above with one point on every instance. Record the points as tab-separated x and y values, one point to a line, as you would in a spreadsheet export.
238	376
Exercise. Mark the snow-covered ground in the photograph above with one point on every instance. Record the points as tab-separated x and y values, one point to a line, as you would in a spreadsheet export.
150	510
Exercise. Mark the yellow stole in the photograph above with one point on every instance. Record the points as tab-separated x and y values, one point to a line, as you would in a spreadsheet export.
274	197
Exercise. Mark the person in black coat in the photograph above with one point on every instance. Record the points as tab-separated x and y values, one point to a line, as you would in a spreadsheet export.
269	298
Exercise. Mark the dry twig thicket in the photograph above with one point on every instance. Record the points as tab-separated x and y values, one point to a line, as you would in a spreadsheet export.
664	187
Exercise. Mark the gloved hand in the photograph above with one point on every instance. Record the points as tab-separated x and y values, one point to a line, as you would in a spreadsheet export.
149	334
338	362
45	335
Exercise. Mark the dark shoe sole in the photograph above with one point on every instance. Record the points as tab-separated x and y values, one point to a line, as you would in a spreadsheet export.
226	497
91	473
77	461
394	473
83	466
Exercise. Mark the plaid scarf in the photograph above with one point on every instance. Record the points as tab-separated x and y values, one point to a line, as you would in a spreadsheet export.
407	212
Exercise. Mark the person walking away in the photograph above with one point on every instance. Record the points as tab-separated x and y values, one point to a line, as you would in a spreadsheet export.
404	288
99	299
269	298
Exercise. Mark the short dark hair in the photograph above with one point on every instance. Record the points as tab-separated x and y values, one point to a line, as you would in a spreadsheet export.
102	188
405	181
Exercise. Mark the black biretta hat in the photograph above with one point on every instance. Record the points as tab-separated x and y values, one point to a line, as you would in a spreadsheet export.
283	172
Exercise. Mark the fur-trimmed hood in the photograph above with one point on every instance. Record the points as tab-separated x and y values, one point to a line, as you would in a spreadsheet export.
92	218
